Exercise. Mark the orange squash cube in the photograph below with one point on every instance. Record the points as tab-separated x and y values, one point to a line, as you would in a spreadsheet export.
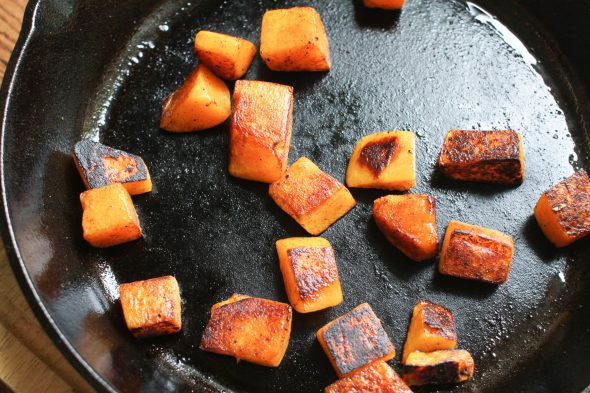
385	4
385	160
251	329
152	307
227	56
563	211
409	223
476	253
109	217
294	39
438	367
377	377
310	273
313	198
201	102
260	130
432	328
355	340
483	156
100	165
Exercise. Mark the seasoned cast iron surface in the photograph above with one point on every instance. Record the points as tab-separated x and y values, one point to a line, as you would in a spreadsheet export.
101	69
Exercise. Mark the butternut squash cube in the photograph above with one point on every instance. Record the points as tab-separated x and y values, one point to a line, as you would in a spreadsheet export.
476	253
251	329
355	340
310	273
376	377
438	367
260	130
201	102
109	217
483	156
563	211
409	223
294	39
152	307
100	165
432	328
385	4
313	198
385	160
227	56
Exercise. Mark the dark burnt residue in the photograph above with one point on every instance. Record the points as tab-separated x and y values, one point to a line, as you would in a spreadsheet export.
356	339
376	155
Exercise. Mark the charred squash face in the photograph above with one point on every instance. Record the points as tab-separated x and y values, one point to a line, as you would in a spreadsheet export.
100	165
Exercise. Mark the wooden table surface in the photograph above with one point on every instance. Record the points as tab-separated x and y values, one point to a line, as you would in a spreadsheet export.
29	361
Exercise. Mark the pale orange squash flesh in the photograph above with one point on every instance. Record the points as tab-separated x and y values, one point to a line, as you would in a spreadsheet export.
377	377
152	307
294	39
201	102
385	4
227	56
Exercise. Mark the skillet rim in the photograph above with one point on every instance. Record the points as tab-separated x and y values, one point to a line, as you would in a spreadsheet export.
8	237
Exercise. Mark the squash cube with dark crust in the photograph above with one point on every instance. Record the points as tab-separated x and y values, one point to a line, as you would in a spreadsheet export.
409	223
355	340
432	328
483	156
313	198
108	216
438	367
476	253
100	165
310	273
294	39
385	160
251	329
260	130
152	307
385	4
563	211
376	377
226	55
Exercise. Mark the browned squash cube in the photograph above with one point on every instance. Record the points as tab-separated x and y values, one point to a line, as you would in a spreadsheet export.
377	377
483	156
260	130
432	328
101	165
563	211
385	160
294	39
438	367
409	223
314	199
251	329
152	307
310	273
109	217
227	56
201	102
355	340
476	253
385	4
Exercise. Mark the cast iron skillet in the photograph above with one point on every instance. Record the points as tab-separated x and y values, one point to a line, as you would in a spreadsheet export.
101	68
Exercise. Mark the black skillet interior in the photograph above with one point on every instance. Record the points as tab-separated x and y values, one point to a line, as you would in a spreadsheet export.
101	68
